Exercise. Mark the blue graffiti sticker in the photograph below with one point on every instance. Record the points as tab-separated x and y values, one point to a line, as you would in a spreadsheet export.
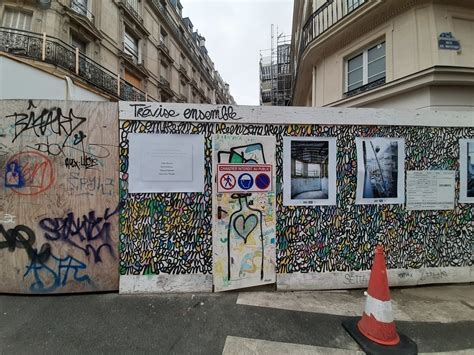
13	175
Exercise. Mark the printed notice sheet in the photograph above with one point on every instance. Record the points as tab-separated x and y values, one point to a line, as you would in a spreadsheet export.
166	163
430	190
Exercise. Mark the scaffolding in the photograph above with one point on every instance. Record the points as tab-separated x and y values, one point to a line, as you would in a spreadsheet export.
275	76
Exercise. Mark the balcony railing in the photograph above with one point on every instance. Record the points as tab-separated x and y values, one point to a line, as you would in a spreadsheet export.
365	87
52	50
79	7
325	17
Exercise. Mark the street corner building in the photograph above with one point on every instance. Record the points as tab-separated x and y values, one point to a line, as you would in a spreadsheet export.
405	54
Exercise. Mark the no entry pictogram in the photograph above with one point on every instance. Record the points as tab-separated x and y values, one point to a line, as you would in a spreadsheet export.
227	181
244	177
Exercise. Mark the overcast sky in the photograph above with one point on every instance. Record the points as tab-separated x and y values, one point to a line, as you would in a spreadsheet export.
235	32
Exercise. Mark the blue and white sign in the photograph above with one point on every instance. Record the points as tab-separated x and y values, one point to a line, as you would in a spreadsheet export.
446	40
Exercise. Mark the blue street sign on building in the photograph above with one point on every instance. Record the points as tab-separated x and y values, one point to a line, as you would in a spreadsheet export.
446	40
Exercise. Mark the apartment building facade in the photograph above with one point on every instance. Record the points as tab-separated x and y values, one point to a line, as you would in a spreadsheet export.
391	53
123	49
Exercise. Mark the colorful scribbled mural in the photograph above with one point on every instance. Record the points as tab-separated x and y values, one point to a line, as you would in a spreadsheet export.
172	233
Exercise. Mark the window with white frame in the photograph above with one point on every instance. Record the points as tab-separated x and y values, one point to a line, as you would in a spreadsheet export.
130	46
366	67
17	19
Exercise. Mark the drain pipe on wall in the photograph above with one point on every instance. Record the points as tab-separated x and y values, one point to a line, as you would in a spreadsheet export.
69	88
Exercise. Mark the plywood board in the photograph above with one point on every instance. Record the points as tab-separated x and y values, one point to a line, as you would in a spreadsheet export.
59	200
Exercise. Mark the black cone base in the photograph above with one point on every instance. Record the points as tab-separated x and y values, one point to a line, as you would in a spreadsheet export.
406	346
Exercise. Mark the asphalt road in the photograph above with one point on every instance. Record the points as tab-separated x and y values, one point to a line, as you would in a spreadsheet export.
182	324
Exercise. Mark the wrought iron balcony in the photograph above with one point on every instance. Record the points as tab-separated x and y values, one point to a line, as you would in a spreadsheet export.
325	17
52	50
80	8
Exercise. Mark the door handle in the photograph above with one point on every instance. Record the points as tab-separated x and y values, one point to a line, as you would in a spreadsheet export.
220	211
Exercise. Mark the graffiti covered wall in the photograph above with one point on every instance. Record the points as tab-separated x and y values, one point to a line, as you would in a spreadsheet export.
59	199
244	237
171	234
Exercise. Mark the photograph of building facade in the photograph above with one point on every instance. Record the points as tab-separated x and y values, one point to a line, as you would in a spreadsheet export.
392	54
381	168
124	49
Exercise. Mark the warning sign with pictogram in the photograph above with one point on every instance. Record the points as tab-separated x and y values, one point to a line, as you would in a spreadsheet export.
244	177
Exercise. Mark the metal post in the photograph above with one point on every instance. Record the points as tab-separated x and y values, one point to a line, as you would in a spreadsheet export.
77	61
43	51
118	85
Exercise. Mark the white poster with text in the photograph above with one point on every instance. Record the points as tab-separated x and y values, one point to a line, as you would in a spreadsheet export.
166	163
430	190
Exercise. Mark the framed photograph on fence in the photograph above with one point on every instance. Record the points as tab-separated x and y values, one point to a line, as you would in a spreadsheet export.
380	170
309	171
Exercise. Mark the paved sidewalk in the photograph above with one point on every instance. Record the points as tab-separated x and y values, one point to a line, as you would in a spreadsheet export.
438	318
445	304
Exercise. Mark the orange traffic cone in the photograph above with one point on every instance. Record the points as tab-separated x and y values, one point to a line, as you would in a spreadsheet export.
375	332
377	322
